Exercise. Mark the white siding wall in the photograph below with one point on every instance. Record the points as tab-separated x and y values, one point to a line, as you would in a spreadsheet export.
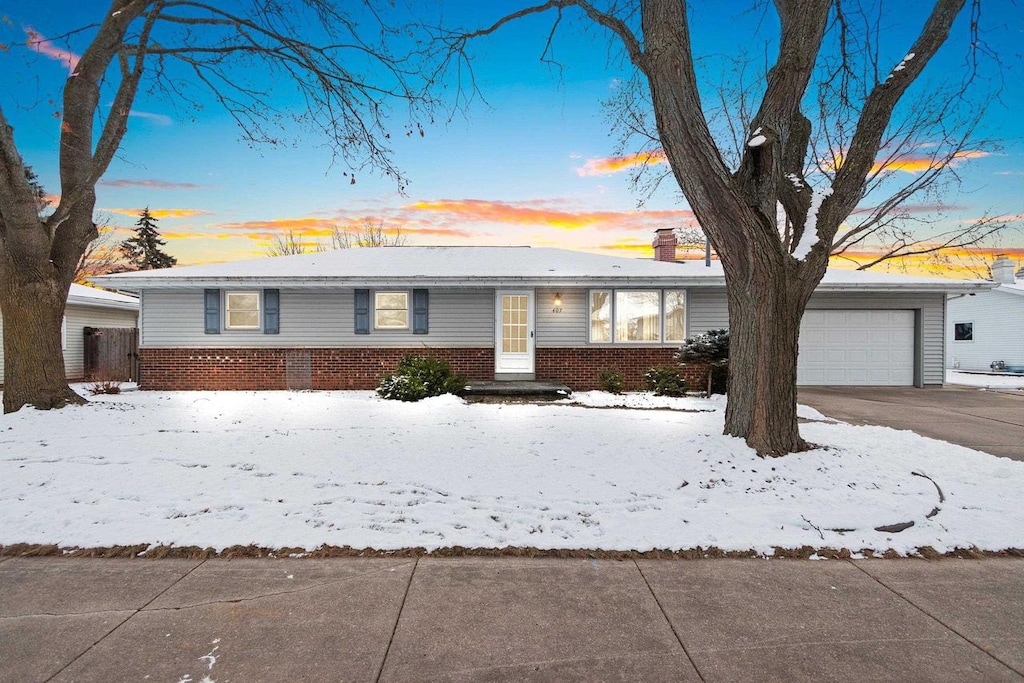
79	317
317	318
998	319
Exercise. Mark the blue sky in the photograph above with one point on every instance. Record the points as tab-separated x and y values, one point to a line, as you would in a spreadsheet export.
511	171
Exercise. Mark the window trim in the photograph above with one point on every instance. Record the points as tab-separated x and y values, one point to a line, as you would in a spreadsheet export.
963	341
228	327
408	310
615	341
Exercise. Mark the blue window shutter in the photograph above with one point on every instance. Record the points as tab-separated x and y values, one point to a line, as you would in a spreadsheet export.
271	311
420	307
212	310
362	311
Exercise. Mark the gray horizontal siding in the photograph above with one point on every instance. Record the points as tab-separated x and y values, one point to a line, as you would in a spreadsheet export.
317	318
566	328
708	310
79	317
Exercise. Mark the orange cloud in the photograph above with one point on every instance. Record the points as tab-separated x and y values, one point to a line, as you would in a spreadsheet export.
518	214
922	164
39	44
162	213
279	224
310	226
211	236
913	164
151	184
608	165
952	263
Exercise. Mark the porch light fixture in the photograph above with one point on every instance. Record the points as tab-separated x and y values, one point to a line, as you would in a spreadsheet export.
558	300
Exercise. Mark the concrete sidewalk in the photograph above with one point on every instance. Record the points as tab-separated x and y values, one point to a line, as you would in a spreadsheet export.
510	619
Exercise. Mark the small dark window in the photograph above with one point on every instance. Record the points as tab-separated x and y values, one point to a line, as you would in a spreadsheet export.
963	331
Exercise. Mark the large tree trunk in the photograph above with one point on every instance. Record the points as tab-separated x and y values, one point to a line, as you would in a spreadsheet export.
33	359
764	326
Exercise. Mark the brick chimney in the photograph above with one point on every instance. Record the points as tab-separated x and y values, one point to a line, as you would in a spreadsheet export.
1002	271
665	245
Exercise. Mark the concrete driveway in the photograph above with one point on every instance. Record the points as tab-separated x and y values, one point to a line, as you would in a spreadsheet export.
985	420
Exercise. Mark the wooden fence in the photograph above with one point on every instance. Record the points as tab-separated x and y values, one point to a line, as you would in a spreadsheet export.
112	353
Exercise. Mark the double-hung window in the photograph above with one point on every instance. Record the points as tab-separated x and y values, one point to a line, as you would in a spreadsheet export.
242	310
637	315
391	310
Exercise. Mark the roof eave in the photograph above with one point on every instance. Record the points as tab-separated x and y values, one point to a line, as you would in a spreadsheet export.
104	303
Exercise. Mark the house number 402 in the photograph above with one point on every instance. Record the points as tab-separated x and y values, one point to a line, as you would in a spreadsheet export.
556	309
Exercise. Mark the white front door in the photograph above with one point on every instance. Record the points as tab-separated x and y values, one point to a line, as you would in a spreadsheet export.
513	333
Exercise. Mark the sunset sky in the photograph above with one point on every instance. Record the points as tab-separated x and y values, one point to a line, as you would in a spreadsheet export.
532	161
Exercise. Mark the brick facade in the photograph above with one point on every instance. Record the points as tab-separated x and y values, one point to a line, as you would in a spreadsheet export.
261	369
581	367
361	368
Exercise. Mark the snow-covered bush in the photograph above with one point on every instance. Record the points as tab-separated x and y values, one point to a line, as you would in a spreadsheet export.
712	350
418	377
665	380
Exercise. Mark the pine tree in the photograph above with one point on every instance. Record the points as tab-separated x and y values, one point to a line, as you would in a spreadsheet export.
143	251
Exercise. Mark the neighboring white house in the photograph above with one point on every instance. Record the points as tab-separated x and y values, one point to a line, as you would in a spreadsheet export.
986	329
87	307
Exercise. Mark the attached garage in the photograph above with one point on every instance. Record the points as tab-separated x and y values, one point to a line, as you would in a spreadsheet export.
856	347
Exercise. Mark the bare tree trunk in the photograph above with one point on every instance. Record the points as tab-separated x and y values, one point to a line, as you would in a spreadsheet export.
34	361
764	324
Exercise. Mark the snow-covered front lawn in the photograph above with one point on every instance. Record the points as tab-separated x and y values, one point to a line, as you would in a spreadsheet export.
286	469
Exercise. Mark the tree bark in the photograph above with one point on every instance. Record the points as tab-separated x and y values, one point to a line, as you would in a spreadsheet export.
32	312
764	326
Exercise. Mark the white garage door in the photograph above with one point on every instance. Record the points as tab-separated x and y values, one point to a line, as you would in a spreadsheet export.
856	348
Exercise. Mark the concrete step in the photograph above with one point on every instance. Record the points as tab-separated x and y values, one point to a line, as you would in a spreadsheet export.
519	390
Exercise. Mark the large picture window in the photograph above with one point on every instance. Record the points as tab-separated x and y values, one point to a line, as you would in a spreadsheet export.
242	310
637	316
391	310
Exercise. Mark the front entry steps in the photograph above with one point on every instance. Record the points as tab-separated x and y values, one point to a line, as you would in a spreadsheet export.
494	391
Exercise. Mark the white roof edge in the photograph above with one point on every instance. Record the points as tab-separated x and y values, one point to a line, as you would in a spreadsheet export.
948	286
103	303
320	283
